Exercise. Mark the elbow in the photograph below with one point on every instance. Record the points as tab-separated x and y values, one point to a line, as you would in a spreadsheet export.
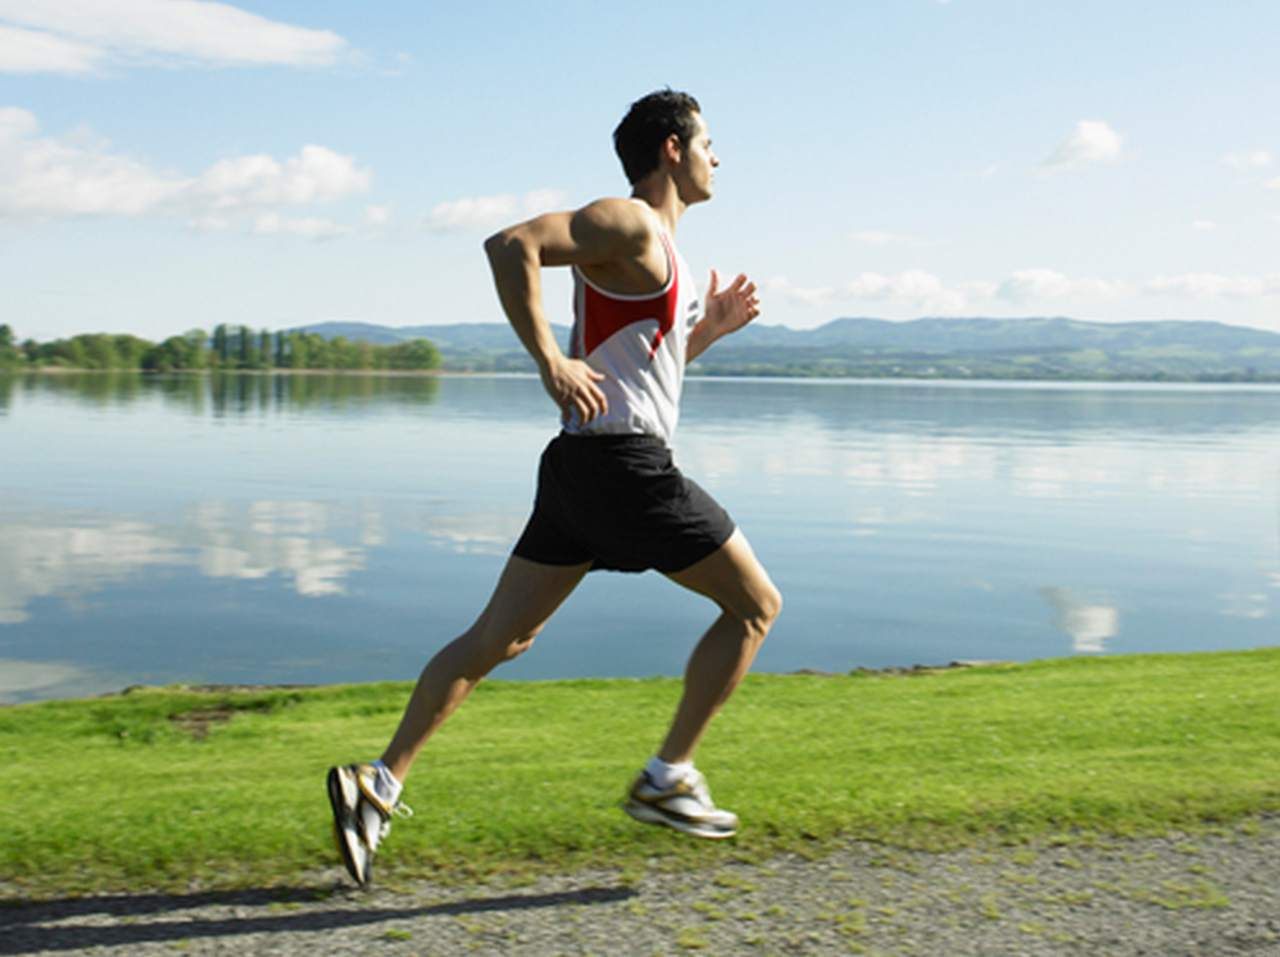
495	244
507	245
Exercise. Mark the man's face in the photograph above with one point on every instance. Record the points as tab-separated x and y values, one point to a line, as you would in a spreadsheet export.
696	174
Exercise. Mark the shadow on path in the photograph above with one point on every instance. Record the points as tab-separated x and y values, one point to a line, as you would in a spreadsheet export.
26	929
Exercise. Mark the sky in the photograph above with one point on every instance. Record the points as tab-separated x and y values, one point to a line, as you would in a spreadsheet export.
173	164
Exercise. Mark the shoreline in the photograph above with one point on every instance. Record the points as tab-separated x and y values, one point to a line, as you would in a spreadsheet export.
692	373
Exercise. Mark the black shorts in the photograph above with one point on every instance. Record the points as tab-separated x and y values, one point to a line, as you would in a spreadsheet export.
619	502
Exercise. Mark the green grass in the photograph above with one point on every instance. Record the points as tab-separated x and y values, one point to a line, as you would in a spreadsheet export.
138	791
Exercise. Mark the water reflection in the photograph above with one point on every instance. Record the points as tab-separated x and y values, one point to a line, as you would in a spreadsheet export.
67	554
1057	412
1089	625
330	527
486	533
70	554
226	394
1029	468
24	680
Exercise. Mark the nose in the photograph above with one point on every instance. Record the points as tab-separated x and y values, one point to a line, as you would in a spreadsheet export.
715	160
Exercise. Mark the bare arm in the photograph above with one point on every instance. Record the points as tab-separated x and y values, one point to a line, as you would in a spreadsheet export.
604	232
726	311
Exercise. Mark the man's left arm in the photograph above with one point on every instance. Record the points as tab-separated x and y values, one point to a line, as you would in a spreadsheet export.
726	311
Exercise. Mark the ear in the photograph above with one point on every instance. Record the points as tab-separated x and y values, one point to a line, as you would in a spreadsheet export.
672	149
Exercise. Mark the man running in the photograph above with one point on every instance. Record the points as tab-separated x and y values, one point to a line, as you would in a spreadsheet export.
608	494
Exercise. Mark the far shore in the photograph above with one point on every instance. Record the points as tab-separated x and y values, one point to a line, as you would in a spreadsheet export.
693	374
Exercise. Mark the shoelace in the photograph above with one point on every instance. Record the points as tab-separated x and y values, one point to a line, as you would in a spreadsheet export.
384	821
698	785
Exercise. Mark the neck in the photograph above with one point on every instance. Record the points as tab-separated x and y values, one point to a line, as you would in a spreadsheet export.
660	193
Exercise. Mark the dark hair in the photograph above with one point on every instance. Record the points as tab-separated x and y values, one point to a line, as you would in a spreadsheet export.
648	124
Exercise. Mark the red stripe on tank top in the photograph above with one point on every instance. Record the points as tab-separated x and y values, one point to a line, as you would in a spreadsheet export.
605	316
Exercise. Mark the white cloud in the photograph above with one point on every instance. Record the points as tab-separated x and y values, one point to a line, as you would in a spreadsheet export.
28	51
58	178
488	212
47	178
1037	284
1204	224
1252	159
1212	286
378	215
1092	142
914	289
1273	183
315	175
308	228
926	293
78	36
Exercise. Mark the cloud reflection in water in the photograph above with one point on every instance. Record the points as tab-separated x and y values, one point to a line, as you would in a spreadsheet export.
71	553
1088	625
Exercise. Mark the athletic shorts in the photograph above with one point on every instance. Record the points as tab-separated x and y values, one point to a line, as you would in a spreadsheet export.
619	502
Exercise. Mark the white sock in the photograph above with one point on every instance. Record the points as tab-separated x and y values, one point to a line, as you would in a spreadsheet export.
386	785
665	775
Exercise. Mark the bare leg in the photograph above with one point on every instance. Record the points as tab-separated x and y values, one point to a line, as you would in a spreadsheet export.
526	596
734	579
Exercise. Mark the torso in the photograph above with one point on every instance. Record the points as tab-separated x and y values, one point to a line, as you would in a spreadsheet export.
638	342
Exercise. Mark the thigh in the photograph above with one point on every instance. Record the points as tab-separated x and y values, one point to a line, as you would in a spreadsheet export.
733	578
526	596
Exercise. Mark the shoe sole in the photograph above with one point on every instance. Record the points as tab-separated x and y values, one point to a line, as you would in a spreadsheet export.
648	814
338	801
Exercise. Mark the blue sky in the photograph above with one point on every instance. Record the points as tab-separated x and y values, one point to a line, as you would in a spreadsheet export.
170	164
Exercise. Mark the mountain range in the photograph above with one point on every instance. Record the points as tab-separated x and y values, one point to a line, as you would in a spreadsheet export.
1032	348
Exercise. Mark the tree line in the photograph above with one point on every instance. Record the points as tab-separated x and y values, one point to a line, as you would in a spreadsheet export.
230	348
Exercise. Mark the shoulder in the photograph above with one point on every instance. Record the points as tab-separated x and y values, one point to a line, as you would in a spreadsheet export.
626	224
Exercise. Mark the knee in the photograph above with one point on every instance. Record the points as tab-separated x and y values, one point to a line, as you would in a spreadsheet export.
773	607
484	648
766	607
514	649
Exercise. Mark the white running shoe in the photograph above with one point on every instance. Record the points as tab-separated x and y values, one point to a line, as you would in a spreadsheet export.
361	819
686	806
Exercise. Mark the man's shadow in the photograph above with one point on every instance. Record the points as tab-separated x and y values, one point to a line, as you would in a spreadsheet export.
24	927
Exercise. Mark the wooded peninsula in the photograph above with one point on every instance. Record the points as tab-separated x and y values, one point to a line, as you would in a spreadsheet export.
231	348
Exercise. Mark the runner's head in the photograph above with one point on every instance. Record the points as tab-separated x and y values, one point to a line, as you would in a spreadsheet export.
649	123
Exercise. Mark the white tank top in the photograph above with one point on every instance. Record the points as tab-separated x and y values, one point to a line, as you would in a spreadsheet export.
639	343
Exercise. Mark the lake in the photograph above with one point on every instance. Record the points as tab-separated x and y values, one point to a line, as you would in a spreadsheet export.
327	528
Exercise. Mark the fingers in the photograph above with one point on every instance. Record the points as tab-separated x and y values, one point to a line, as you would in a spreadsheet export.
589	404
743	292
572	385
741	287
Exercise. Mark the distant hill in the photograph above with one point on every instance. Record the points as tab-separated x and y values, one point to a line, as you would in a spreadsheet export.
1034	348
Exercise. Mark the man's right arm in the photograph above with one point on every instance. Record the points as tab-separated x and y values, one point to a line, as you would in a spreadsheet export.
590	236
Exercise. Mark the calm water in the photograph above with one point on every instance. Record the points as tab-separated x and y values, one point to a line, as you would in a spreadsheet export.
319	529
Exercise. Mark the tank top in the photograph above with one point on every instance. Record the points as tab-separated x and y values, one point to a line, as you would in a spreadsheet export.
639	343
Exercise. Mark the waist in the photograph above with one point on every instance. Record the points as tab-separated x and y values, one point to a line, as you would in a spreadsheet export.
615	439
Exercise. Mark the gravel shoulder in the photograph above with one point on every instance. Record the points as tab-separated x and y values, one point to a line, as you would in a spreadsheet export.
1200	894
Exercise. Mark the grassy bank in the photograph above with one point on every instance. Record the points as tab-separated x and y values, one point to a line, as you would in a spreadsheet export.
172	788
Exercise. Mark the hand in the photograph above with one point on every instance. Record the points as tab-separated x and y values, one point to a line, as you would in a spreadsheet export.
571	383
730	310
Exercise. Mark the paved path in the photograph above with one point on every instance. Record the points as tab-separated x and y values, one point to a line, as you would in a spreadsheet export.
1212	896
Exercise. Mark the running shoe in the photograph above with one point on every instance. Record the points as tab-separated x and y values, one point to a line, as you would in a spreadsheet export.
686	806
361	819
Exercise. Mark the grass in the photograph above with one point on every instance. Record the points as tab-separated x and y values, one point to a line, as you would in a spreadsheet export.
175	789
